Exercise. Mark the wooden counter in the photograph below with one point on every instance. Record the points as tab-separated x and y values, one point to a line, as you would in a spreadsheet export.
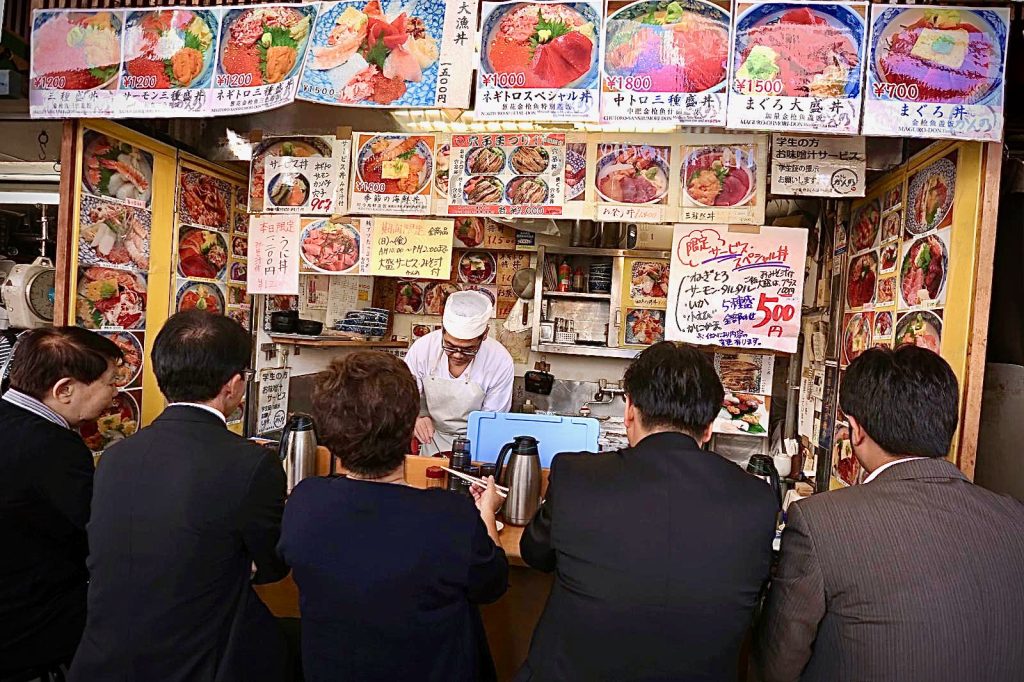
509	622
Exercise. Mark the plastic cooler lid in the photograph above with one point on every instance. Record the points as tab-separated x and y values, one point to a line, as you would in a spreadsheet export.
488	431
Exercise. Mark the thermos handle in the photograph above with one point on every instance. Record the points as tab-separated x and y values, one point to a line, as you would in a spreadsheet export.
282	449
776	484
500	462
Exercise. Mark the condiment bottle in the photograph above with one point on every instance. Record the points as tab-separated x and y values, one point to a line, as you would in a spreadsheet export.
435	478
577	280
459	462
472	470
564	276
529	407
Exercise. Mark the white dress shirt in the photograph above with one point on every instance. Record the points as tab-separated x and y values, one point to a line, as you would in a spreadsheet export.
207	408
36	407
492	370
885	466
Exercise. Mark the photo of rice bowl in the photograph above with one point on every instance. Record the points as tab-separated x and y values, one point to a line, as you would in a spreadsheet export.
632	174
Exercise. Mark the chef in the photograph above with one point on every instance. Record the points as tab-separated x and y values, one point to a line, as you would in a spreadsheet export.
459	370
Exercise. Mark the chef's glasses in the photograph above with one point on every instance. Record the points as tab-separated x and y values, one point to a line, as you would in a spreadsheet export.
456	350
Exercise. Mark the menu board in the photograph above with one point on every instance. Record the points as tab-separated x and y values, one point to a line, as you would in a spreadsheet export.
335	246
634	178
937	72
297	184
723	179
424	60
304	146
797	66
167	62
507	174
394	174
665	62
273	254
411	248
815	165
539	61
736	288
644	298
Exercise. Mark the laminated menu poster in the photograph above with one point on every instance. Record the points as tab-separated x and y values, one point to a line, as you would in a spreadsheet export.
634	178
736	288
394	174
167	62
411	248
539	61
936	72
295	184
507	174
304	147
387	53
644	297
797	66
666	62
723	179
335	246
273	254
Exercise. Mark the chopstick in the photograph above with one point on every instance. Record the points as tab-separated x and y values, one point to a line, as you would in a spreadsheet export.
502	490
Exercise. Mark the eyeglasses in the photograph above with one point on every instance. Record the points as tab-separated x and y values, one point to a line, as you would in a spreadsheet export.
248	375
456	350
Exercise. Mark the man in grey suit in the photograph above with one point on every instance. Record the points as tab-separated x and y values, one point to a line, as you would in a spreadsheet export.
916	575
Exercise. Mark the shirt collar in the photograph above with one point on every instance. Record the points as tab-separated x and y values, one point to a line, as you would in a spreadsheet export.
27	402
885	466
207	408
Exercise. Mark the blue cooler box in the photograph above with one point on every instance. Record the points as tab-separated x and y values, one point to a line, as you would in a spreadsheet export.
488	431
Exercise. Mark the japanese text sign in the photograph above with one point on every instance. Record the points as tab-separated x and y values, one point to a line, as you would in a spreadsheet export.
411	248
272	405
273	254
812	165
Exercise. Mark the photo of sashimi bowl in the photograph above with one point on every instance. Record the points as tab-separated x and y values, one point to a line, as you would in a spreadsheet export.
75	50
131	348
408	298
679	46
922	328
632	174
300	147
288	189
202	254
200	296
720	175
361	54
530	160
116	169
485	161
930	196
442	161
483	189
329	247
866	222
526	189
117	422
812	50
575	171
924	270
262	45
394	164
113	234
435	295
942	54
107	297
477	267
469	232
645	327
540	45
857	336
168	48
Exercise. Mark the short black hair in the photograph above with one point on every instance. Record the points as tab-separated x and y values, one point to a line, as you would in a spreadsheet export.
197	353
46	355
674	386
366	405
906	399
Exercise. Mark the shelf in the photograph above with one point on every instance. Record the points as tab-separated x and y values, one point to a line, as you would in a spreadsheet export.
606	253
592	351
576	294
332	342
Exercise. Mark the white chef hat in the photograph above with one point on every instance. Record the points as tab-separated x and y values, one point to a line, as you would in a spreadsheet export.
467	314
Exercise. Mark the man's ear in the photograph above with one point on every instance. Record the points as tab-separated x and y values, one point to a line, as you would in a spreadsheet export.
857	433
706	436
629	414
63	391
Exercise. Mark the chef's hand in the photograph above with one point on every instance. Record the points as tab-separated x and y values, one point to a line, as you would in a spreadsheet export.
424	429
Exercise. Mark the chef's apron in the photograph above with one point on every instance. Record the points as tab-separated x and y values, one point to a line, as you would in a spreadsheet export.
448	403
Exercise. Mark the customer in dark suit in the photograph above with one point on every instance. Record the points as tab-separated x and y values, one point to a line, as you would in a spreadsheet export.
181	512
388	575
60	377
660	550
914	575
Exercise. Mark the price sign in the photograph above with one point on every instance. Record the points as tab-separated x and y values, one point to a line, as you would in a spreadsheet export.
400	247
273	254
301	185
812	165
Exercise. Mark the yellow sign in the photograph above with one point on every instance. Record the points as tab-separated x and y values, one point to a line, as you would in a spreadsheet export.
414	248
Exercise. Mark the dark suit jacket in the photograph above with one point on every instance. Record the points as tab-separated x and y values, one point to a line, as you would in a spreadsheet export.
388	577
660	552
45	487
915	576
180	512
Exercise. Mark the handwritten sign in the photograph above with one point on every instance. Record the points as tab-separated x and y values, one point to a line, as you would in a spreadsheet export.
411	248
273	254
736	289
272	406
812	165
304	185
937	72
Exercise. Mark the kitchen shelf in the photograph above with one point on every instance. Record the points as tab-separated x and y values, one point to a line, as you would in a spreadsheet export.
592	351
332	342
576	294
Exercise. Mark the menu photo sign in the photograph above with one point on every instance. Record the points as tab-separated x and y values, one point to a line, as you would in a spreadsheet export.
665	62
736	287
393	174
539	61
634	178
797	66
820	166
406	248
335	246
507	174
723	179
425	61
273	254
302	185
937	72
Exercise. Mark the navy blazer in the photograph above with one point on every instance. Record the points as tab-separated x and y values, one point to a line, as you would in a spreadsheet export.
388	580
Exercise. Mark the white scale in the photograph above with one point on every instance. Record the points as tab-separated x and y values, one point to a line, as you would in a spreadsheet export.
28	293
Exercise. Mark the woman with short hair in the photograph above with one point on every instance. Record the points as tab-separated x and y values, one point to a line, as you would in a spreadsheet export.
388	575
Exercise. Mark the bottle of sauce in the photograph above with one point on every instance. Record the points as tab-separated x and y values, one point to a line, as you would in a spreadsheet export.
577	280
565	276
459	462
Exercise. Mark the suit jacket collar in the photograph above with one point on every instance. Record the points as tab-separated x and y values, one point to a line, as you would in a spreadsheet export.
184	413
667	439
930	468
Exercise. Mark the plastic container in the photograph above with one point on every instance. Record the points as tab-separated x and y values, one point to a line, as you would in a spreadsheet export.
435	478
488	431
